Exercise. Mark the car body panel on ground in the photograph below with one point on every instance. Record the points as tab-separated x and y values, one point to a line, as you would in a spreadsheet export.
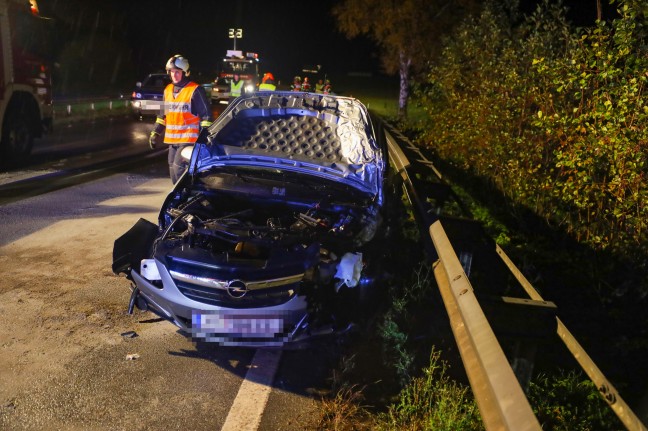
271	235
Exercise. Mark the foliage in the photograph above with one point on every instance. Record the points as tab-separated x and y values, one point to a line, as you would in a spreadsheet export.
399	321
432	402
569	402
406	31
554	117
345	411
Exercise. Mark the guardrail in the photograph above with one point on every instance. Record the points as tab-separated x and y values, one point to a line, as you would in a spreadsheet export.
91	107
605	387
495	383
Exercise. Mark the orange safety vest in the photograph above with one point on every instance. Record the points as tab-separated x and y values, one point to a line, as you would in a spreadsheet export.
182	127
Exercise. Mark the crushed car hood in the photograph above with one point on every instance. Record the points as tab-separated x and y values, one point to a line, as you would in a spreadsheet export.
321	135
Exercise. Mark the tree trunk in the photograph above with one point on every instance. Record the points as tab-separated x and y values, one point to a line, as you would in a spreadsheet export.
403	96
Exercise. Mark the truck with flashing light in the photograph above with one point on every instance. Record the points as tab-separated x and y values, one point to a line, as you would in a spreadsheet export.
25	79
235	62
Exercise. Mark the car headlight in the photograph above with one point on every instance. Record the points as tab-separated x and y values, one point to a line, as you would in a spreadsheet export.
249	88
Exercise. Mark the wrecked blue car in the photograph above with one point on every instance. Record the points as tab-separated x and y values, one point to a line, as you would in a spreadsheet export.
275	233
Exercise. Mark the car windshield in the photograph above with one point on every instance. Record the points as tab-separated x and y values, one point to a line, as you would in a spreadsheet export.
158	81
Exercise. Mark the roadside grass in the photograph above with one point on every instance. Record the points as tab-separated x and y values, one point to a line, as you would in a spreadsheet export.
380	95
396	378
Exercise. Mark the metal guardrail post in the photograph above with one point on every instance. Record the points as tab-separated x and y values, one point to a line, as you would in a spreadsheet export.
608	391
502	402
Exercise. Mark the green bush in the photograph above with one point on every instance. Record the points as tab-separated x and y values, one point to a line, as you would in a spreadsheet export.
569	402
555	118
432	402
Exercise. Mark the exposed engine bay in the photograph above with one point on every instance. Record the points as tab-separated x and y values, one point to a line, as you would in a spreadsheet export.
258	236
221	223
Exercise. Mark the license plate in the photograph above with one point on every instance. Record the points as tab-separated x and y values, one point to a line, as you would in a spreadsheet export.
235	325
150	105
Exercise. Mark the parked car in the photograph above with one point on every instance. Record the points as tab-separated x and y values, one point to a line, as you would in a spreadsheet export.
220	91
148	96
275	233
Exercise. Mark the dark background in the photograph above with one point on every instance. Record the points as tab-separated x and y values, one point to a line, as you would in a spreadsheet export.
105	46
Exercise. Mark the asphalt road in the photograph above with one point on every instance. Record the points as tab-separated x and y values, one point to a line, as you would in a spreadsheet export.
68	357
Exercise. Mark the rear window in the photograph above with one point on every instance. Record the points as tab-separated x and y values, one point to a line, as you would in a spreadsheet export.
158	81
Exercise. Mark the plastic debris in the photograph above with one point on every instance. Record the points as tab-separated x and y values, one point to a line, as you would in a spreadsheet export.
129	334
132	356
349	270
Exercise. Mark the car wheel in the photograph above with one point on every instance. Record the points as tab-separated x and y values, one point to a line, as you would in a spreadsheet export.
17	139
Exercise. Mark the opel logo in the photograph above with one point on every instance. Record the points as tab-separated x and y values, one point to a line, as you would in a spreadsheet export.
236	288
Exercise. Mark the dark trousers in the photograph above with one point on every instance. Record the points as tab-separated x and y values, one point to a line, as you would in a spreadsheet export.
177	163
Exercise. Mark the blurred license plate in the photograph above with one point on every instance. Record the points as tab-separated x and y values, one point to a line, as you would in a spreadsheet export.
149	105
204	324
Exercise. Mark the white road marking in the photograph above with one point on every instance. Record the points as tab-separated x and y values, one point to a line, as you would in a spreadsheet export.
252	397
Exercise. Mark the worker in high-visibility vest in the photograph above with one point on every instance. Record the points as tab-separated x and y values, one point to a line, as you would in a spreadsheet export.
184	118
236	86
297	84
327	87
306	84
319	86
267	83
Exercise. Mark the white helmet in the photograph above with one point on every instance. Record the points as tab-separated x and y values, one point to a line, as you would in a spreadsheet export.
178	62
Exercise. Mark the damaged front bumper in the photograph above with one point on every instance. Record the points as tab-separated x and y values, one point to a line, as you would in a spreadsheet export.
283	325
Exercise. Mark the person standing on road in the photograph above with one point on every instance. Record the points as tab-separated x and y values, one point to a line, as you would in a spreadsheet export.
319	86
306	84
296	85
327	87
236	86
184	118
267	83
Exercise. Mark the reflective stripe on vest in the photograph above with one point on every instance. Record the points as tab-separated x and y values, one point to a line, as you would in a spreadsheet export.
182	127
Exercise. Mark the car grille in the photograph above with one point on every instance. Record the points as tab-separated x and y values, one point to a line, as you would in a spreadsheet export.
253	298
241	288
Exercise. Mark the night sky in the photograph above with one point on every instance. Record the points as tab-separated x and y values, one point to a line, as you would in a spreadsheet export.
287	34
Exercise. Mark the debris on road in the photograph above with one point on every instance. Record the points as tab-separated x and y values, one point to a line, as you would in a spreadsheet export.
129	334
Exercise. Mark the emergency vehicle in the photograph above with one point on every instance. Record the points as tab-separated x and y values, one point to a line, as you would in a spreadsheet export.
236	62
25	79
